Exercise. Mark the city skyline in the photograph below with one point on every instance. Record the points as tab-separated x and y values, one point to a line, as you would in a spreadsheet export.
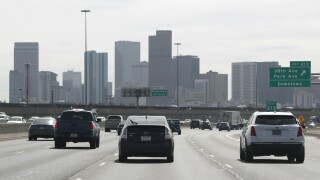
218	32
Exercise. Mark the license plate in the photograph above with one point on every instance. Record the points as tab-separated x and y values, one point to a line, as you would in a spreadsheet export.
145	138
73	135
276	132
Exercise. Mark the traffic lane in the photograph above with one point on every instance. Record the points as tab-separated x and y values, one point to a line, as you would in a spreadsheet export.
225	151
188	164
56	163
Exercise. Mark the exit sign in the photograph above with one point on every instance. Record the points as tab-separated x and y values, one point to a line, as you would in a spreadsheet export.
271	106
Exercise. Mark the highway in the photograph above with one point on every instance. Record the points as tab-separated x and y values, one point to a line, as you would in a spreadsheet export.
199	154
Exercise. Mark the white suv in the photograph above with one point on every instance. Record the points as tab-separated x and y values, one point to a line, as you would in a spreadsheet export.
272	133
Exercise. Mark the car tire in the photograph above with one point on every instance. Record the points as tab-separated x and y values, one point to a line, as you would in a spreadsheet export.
93	143
219	129
30	138
57	144
34	138
242	155
300	157
98	141
291	157
170	158
179	133
107	130
122	158
248	155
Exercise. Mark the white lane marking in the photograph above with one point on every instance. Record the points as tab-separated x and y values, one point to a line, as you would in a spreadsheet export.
232	138
79	179
212	156
102	164
116	154
228	165
201	149
192	142
20	152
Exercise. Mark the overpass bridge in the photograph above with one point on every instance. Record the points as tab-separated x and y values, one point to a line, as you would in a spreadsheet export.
211	113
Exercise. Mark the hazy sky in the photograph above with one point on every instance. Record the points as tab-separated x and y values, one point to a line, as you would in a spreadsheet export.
218	31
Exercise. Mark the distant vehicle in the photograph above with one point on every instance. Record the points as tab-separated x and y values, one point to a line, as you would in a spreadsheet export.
120	126
146	136
174	125
77	125
232	117
101	119
224	126
196	123
272	133
4	117
312	124
33	118
41	127
112	122
16	120
206	125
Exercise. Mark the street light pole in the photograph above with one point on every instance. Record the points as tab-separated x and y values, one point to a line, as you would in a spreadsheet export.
27	66
85	27
21	94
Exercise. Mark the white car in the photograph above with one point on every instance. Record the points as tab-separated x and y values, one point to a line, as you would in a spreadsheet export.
16	120
4	117
272	133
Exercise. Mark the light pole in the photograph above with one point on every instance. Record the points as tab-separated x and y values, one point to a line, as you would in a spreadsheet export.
85	27
27	66
177	44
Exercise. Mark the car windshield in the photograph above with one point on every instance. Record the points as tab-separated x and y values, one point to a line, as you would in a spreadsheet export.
275	120
114	117
15	119
76	116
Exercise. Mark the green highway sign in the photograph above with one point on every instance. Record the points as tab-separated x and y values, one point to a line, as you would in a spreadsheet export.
159	92
271	105
300	64
289	77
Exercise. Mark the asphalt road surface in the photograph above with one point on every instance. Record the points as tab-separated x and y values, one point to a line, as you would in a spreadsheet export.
199	154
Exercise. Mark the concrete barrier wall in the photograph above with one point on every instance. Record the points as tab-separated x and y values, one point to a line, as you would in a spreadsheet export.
13	128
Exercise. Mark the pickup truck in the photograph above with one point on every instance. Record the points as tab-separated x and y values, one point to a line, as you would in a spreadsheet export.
77	125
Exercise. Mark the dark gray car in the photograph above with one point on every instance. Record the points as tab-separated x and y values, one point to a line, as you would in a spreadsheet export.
42	127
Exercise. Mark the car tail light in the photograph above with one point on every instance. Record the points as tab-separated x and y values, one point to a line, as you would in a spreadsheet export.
56	126
252	131
300	132
167	134
91	125
124	134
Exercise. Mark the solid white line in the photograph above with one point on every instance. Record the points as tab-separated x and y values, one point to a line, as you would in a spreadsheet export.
20	152
102	164
232	138
79	179
212	156
201	149
116	154
228	165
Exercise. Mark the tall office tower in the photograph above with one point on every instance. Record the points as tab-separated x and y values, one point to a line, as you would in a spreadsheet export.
47	84
244	76
218	86
127	54
24	78
95	77
161	67
189	69
72	87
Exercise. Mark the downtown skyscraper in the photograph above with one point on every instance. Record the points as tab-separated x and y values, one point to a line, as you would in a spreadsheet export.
95	78
23	83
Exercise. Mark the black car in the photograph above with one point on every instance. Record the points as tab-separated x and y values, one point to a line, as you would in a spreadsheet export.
175	125
77	125
224	126
206	125
196	123
146	136
42	127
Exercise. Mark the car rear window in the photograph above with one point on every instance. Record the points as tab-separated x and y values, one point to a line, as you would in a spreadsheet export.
76	116
114	117
275	120
43	121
